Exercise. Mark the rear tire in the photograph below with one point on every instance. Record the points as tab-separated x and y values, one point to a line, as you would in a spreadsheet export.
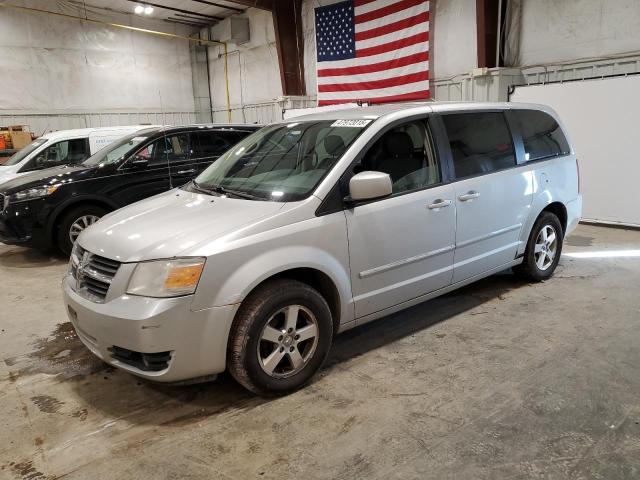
74	222
280	337
544	248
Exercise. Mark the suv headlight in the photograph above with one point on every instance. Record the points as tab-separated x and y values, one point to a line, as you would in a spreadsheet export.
31	193
166	278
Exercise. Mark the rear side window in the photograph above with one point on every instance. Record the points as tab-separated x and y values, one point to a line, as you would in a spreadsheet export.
480	143
170	148
541	135
215	143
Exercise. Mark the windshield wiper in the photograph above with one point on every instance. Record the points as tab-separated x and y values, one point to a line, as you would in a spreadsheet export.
235	193
224	191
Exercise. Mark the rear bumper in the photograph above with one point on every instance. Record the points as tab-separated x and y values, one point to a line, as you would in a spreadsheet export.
195	342
574	214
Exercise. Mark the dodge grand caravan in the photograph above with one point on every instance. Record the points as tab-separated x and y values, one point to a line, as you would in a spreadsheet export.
310	227
51	207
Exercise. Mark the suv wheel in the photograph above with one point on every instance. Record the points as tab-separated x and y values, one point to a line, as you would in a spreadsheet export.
543	250
280	337
74	222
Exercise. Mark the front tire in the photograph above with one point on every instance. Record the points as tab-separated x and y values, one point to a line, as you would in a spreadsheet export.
280	337
544	248
74	222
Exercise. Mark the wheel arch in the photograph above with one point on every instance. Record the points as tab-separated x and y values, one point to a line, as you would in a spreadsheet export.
317	280
559	210
58	214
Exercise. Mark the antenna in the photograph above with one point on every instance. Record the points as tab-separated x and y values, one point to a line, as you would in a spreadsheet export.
164	131
45	129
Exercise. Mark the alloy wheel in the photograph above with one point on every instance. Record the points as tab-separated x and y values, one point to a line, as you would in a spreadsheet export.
546	247
288	341
79	225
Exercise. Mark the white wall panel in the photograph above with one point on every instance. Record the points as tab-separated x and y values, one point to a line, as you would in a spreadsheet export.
601	118
567	30
253	70
55	65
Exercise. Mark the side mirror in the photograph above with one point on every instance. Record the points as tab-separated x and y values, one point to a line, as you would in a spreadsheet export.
138	162
369	186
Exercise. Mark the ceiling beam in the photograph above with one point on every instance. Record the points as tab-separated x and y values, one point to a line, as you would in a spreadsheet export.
173	9
262	4
184	22
195	19
214	4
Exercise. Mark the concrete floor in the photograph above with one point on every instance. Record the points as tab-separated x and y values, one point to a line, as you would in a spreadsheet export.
499	380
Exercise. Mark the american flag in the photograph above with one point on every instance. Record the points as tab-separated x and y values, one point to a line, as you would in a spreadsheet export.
372	51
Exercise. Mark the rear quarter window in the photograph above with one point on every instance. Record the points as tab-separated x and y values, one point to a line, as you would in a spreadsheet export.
541	135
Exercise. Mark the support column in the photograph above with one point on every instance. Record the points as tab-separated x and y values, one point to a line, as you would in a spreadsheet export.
200	79
287	21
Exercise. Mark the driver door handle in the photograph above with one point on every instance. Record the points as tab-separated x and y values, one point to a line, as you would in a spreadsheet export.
439	203
470	195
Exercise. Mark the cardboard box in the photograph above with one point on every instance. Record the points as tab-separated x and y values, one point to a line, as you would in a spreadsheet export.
16	136
20	139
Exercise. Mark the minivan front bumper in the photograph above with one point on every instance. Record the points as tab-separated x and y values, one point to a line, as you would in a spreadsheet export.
160	339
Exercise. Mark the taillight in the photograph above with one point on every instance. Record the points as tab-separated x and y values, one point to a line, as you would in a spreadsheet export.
578	170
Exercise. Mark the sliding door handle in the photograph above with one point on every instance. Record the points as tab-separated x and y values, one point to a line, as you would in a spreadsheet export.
439	203
184	172
470	195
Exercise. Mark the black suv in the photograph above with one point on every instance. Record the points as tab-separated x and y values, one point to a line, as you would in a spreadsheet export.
49	208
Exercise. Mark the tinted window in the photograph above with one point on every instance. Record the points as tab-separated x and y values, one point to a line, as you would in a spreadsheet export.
404	152
67	152
480	142
172	148
211	144
541	135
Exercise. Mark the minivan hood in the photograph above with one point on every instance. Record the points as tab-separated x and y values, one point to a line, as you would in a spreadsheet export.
170	224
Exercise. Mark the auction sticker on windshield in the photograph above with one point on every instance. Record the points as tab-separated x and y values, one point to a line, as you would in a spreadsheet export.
351	123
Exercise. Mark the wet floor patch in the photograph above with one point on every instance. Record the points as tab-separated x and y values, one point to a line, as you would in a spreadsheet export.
579	241
47	403
61	353
25	470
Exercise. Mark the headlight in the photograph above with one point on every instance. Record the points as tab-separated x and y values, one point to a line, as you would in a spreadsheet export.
166	278
32	193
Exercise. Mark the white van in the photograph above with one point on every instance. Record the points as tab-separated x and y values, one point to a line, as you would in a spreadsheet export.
65	147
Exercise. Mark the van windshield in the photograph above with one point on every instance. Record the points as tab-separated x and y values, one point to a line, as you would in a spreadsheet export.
25	152
116	151
281	163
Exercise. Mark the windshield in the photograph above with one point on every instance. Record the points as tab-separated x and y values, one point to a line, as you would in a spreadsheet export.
116	151
25	152
281	162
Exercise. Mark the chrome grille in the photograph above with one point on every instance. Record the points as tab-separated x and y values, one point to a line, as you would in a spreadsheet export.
92	273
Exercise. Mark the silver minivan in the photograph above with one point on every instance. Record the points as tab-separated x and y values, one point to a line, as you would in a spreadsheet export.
316	225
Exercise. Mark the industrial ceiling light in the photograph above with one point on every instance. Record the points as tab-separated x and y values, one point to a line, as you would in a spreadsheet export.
148	10
139	9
